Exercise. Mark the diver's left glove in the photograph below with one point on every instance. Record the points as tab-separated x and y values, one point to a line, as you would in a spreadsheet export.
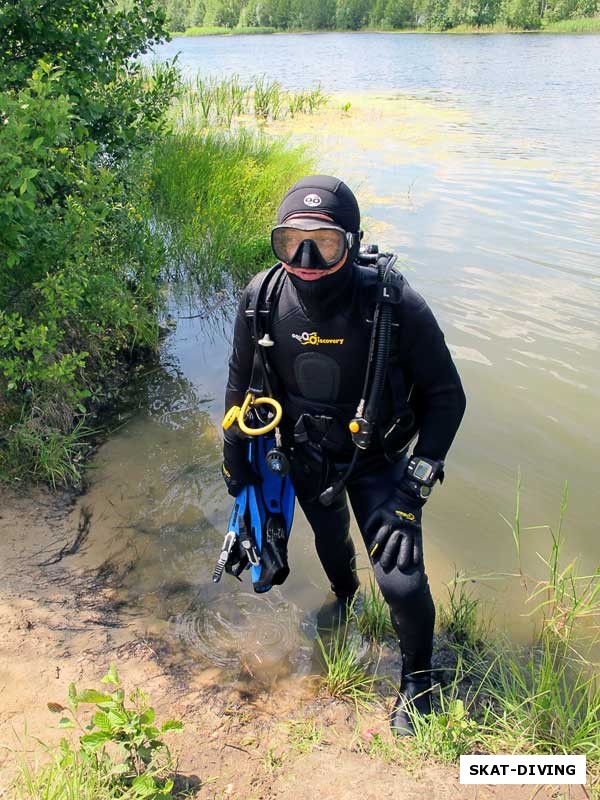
236	469
396	530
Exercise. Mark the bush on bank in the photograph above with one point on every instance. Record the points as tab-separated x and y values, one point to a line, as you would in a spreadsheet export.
78	260
84	149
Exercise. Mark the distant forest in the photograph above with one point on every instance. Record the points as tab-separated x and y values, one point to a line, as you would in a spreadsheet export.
314	15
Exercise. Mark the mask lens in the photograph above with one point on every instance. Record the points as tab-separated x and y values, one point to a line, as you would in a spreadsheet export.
286	242
330	243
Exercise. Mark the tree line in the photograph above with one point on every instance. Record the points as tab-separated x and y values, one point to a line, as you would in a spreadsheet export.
380	14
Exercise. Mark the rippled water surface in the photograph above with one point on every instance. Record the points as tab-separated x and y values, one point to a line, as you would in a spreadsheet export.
476	158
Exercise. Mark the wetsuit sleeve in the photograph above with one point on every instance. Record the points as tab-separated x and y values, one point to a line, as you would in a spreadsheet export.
430	367
242	354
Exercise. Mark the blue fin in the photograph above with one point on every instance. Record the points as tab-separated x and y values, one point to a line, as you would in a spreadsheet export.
260	524
270	513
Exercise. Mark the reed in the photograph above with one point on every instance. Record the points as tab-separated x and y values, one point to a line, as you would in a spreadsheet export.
269	99
209	102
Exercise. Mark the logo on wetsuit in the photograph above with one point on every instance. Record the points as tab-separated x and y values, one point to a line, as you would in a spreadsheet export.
314	339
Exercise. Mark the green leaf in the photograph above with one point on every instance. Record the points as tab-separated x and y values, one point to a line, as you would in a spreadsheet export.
111	676
101	720
147	717
72	694
92	696
172	725
94	740
66	722
118	717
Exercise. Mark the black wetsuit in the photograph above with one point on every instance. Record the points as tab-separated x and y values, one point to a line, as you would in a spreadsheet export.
318	365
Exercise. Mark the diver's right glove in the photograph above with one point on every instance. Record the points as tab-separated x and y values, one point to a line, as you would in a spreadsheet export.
398	538
236	469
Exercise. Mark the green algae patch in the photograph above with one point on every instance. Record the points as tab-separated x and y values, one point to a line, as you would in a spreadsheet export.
398	126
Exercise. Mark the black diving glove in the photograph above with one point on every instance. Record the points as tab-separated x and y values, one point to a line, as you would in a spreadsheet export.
236	469
396	529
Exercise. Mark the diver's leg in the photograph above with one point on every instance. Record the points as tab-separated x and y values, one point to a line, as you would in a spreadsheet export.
407	592
330	525
335	547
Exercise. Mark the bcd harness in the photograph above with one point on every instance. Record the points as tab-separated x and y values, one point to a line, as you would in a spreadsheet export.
263	411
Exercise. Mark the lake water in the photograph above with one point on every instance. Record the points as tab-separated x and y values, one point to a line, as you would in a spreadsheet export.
476	159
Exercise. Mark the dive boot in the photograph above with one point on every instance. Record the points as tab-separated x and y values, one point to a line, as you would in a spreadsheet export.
414	697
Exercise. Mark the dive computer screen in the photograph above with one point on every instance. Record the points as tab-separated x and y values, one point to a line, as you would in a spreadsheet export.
422	471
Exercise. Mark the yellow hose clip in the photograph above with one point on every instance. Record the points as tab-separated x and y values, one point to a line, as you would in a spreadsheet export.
238	414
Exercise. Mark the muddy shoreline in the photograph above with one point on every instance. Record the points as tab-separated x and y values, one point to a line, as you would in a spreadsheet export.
61	620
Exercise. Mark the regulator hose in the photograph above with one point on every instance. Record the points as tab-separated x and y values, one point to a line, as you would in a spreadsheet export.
379	352
382	348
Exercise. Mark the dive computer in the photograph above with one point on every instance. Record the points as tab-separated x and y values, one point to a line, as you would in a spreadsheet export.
421	475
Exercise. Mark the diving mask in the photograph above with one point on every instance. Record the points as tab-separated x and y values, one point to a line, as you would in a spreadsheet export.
310	243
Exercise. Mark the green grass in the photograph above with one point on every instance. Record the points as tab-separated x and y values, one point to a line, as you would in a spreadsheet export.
543	702
40	449
581	25
448	734
305	734
345	677
373	617
540	698
215	198
218	31
461	618
69	776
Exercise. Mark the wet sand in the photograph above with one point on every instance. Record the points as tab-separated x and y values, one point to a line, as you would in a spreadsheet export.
61	620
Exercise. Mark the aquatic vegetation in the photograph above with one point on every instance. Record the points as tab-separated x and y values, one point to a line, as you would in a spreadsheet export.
268	98
578	25
215	198
211	102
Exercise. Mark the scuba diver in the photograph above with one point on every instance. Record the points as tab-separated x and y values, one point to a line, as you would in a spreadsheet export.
360	369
